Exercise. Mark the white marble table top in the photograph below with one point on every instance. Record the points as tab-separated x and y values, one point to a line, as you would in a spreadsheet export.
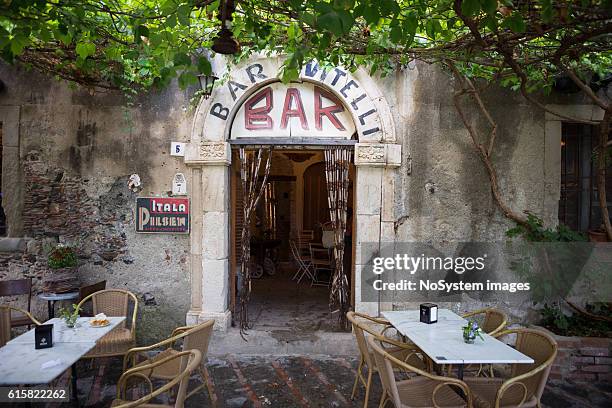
20	363
443	341
83	332
59	296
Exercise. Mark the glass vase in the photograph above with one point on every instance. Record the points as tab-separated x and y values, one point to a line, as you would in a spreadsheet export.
469	338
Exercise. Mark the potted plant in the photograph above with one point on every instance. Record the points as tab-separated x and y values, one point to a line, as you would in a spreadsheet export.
61	276
470	331
598	234
70	316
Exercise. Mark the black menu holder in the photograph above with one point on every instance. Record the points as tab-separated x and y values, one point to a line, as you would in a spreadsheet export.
43	336
429	313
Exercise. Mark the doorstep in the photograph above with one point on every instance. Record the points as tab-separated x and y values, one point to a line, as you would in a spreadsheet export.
279	342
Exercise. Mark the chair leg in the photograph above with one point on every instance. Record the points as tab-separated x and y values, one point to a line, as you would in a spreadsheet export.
383	400
204	374
359	368
367	394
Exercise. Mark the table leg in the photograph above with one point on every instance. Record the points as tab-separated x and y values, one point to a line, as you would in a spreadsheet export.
51	308
74	397
458	390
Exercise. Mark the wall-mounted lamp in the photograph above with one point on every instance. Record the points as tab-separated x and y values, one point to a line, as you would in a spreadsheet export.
207	82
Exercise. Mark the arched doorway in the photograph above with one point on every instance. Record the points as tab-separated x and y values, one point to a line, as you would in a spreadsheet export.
248	99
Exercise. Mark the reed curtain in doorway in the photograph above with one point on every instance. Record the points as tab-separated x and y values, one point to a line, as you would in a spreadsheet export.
337	163
253	186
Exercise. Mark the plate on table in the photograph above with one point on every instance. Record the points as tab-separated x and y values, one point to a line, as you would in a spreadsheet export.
99	323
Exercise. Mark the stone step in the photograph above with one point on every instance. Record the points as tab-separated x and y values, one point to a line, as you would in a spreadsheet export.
283	341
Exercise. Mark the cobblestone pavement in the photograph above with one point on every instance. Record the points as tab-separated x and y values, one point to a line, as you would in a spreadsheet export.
295	381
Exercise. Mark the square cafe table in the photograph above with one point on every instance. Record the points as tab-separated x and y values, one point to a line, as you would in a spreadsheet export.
443	341
20	362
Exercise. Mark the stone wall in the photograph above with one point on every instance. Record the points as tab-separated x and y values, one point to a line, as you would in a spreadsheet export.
583	359
74	152
75	149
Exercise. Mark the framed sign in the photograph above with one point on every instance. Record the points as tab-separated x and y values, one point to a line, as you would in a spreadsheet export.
162	215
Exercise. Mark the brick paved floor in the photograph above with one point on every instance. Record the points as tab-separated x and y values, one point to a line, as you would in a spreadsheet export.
240	381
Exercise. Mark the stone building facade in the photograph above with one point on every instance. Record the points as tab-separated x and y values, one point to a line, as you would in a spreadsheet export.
68	153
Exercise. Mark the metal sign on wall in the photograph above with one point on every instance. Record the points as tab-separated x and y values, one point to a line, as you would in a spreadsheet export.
162	215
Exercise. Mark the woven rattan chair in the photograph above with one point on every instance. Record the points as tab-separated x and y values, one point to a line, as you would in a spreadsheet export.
114	302
494	320
186	360
364	326
5	321
193	338
526	384
422	389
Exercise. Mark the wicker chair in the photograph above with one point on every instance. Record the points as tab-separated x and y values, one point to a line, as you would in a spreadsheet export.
363	325
5	321
186	360
526	384
114	302
193	337
422	389
494	320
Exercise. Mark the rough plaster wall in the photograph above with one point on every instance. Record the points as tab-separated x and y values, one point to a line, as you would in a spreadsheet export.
97	142
446	198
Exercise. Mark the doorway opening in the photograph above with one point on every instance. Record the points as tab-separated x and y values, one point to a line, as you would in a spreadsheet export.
291	244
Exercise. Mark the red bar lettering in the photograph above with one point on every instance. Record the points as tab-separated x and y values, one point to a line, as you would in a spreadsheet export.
329	112
257	118
293	94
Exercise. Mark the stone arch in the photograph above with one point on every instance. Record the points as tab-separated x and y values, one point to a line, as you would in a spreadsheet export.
209	156
356	90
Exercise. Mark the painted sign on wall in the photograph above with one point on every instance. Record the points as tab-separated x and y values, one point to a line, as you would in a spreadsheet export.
293	110
162	215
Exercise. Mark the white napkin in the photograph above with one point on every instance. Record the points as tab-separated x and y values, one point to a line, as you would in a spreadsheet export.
50	364
100	316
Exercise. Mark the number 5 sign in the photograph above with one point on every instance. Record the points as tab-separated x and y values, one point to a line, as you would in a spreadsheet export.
177	149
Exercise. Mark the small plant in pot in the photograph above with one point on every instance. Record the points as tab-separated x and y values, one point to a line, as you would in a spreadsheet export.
70	316
61	257
61	276
598	234
470	331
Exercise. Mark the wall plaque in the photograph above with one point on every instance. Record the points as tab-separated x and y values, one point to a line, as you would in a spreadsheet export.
162	215
179	185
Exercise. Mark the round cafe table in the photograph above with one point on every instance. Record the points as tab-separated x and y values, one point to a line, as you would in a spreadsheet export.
51	298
